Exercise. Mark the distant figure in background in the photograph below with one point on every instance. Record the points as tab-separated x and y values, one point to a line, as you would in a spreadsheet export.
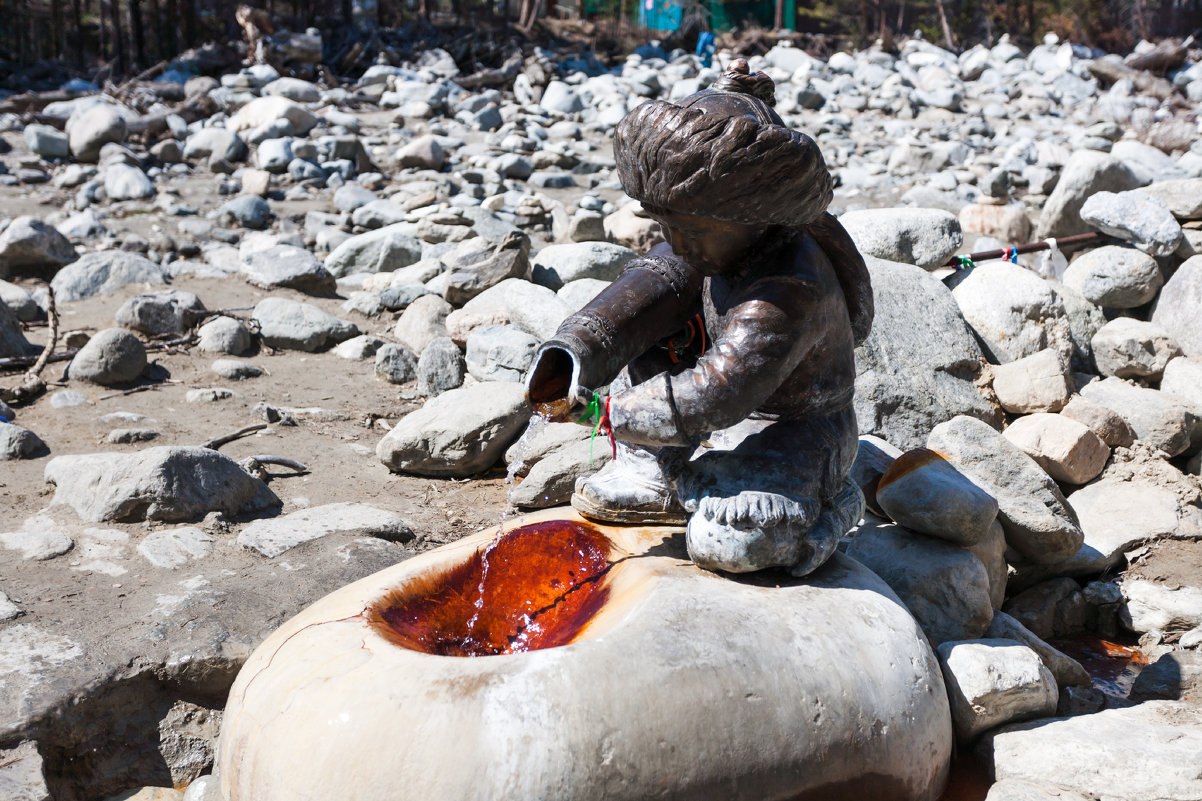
256	27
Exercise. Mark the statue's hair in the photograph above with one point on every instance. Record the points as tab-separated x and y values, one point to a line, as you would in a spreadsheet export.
732	168
756	84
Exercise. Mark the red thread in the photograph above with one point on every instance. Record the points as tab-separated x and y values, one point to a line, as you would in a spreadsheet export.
609	428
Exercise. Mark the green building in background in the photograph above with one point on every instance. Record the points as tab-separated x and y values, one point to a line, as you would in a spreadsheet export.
665	15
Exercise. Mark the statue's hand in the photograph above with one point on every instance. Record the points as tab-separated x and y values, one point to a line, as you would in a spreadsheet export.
596	412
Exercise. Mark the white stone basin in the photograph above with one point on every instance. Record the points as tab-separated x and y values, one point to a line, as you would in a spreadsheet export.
674	683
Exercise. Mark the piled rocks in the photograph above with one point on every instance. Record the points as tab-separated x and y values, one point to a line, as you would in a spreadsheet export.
390	252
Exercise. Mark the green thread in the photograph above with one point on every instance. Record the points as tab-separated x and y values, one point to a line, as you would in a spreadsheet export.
594	411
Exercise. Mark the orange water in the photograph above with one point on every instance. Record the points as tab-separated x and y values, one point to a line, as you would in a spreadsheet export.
532	587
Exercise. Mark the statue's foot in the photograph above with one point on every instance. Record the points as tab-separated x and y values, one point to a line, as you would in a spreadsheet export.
626	493
838	517
757	530
749	531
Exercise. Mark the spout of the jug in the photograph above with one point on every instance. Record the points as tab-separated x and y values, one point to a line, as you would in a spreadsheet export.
553	385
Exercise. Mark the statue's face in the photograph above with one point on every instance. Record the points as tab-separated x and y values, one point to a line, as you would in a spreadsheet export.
711	246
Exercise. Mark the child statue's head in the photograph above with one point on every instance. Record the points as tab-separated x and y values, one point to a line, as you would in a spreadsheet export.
720	171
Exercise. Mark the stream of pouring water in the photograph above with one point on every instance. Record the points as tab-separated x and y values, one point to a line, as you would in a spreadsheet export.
521	450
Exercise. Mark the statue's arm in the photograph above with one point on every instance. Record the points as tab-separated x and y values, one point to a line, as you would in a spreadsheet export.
650	300
765	338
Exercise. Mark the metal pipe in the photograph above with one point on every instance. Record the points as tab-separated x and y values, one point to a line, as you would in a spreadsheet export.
1032	247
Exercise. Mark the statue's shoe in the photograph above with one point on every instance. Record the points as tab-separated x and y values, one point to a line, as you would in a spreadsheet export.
620	494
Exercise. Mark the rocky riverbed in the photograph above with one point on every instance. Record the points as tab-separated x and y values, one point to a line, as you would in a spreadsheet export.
295	319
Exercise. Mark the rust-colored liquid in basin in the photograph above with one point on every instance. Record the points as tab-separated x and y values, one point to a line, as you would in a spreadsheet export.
533	587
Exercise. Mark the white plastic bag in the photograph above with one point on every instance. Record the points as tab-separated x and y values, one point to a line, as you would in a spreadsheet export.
1052	263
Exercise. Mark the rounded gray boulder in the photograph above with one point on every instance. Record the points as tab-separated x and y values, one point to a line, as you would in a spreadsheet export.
113	357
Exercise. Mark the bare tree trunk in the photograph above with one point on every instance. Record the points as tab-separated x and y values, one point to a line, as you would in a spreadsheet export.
190	32
530	14
102	32
137	34
947	30
77	24
116	39
157	28
778	20
901	17
56	29
22	35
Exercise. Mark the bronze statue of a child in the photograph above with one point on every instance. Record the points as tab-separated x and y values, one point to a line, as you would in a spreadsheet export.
747	431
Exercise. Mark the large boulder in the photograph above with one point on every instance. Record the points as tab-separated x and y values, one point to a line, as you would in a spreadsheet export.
381	251
535	309
218	144
1115	276
1177	306
1086	172
112	358
1035	383
299	326
288	267
293	89
17	442
104	272
1119	515
478	264
458	433
263	111
1130	348
30	246
1067	449
127	182
1096	755
562	712
1037	519
12	337
1159	419
500	353
923	237
162	313
944	586
92	129
164	483
46	141
1141	219
920	363
925	492
1013	311
995	681
556	265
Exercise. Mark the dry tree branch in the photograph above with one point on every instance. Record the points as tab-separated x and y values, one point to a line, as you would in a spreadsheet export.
32	385
217	442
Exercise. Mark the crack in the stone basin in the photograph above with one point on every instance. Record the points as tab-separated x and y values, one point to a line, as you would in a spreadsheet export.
288	639
533	616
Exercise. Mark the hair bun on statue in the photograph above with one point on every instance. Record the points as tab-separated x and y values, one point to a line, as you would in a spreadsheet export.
739	78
